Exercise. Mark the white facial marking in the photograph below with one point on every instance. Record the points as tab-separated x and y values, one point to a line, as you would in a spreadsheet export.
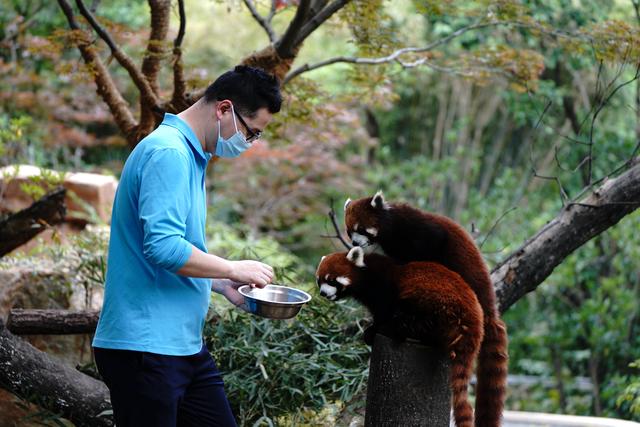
356	255
326	277
328	291
359	240
373	231
343	280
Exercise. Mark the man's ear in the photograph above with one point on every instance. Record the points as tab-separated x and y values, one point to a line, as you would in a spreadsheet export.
378	201
356	256
347	203
222	107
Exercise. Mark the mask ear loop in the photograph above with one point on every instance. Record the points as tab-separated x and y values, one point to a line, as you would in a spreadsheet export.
233	114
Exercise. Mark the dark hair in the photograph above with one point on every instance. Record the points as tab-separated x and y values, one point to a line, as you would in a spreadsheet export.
248	88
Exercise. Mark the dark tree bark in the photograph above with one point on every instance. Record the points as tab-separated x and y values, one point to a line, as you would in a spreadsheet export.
525	269
19	228
42	379
52	322
276	58
408	386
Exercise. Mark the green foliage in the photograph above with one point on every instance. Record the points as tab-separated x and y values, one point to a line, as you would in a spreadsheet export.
282	369
460	135
585	319
12	132
39	185
284	372
629	400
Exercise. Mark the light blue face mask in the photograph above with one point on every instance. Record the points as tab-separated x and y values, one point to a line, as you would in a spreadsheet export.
235	145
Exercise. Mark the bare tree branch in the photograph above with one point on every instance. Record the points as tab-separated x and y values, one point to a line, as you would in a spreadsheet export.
264	23
19	228
178	101
53	385
525	269
602	104
160	16
106	87
272	11
318	19
287	46
332	217
394	56
146	92
495	225
316	6
51	322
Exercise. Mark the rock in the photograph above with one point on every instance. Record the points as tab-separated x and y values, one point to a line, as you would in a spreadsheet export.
89	195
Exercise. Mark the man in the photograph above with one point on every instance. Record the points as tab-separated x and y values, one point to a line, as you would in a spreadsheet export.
148	345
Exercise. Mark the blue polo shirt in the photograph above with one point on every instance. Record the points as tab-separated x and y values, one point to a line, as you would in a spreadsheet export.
158	214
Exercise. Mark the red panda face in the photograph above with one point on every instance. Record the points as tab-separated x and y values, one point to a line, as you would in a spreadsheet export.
338	272
361	218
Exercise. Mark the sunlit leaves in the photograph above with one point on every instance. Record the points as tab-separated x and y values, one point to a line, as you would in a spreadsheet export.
630	399
522	67
615	41
492	9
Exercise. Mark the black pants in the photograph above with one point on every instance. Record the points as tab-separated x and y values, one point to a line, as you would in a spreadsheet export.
156	390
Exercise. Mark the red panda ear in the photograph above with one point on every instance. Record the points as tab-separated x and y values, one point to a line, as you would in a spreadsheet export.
347	203
356	256
378	201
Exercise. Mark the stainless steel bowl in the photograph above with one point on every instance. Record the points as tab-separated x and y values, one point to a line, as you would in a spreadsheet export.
274	301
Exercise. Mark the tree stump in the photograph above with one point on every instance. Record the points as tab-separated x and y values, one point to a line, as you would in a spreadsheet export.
408	386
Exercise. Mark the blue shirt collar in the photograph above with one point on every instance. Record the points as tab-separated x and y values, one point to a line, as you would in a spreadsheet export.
176	122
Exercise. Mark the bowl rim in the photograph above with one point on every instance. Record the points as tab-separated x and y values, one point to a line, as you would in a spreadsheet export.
243	288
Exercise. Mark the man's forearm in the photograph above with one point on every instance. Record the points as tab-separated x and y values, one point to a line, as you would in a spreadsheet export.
201	264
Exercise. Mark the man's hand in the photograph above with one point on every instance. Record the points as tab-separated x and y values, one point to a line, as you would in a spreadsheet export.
253	272
229	289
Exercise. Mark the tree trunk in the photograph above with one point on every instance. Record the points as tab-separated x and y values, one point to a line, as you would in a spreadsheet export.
269	60
52	322
525	269
42	379
408	386
19	228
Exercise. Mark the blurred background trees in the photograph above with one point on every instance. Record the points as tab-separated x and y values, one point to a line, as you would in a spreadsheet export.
496	113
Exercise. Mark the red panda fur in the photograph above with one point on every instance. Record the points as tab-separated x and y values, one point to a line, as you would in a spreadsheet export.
407	234
421	300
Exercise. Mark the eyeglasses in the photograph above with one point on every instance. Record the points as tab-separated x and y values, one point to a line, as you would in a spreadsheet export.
252	135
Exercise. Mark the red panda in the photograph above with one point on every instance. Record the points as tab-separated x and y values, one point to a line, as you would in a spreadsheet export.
407	234
420	300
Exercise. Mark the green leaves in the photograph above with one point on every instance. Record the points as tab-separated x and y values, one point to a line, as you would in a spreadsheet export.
284	372
281	369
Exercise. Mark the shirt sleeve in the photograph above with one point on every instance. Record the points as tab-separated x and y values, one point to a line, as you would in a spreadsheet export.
163	207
